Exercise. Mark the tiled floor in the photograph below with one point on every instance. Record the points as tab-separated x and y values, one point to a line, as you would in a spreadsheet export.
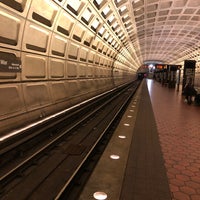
178	126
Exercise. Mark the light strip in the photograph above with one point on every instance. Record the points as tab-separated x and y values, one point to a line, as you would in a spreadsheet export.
13	133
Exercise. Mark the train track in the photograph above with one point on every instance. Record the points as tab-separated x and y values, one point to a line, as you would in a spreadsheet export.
51	160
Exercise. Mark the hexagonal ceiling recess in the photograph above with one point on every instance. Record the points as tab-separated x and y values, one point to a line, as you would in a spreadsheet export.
166	31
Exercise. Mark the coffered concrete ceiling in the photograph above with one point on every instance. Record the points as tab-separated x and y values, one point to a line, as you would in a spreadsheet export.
166	31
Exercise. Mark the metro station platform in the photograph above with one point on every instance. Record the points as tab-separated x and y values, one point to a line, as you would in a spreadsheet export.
154	153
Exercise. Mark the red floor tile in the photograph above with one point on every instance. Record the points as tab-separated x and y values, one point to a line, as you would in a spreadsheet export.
181	196
178	126
187	190
195	197
173	188
182	177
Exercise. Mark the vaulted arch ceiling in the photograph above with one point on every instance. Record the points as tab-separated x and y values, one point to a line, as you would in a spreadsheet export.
162	30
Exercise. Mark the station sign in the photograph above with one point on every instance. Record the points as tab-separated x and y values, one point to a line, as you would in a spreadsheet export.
9	62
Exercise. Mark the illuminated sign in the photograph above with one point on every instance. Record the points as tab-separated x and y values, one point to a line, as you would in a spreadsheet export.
165	66
161	66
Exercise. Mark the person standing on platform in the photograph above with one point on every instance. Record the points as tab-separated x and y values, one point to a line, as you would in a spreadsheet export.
189	91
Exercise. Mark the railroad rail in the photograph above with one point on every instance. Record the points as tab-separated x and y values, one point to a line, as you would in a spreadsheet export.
46	161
